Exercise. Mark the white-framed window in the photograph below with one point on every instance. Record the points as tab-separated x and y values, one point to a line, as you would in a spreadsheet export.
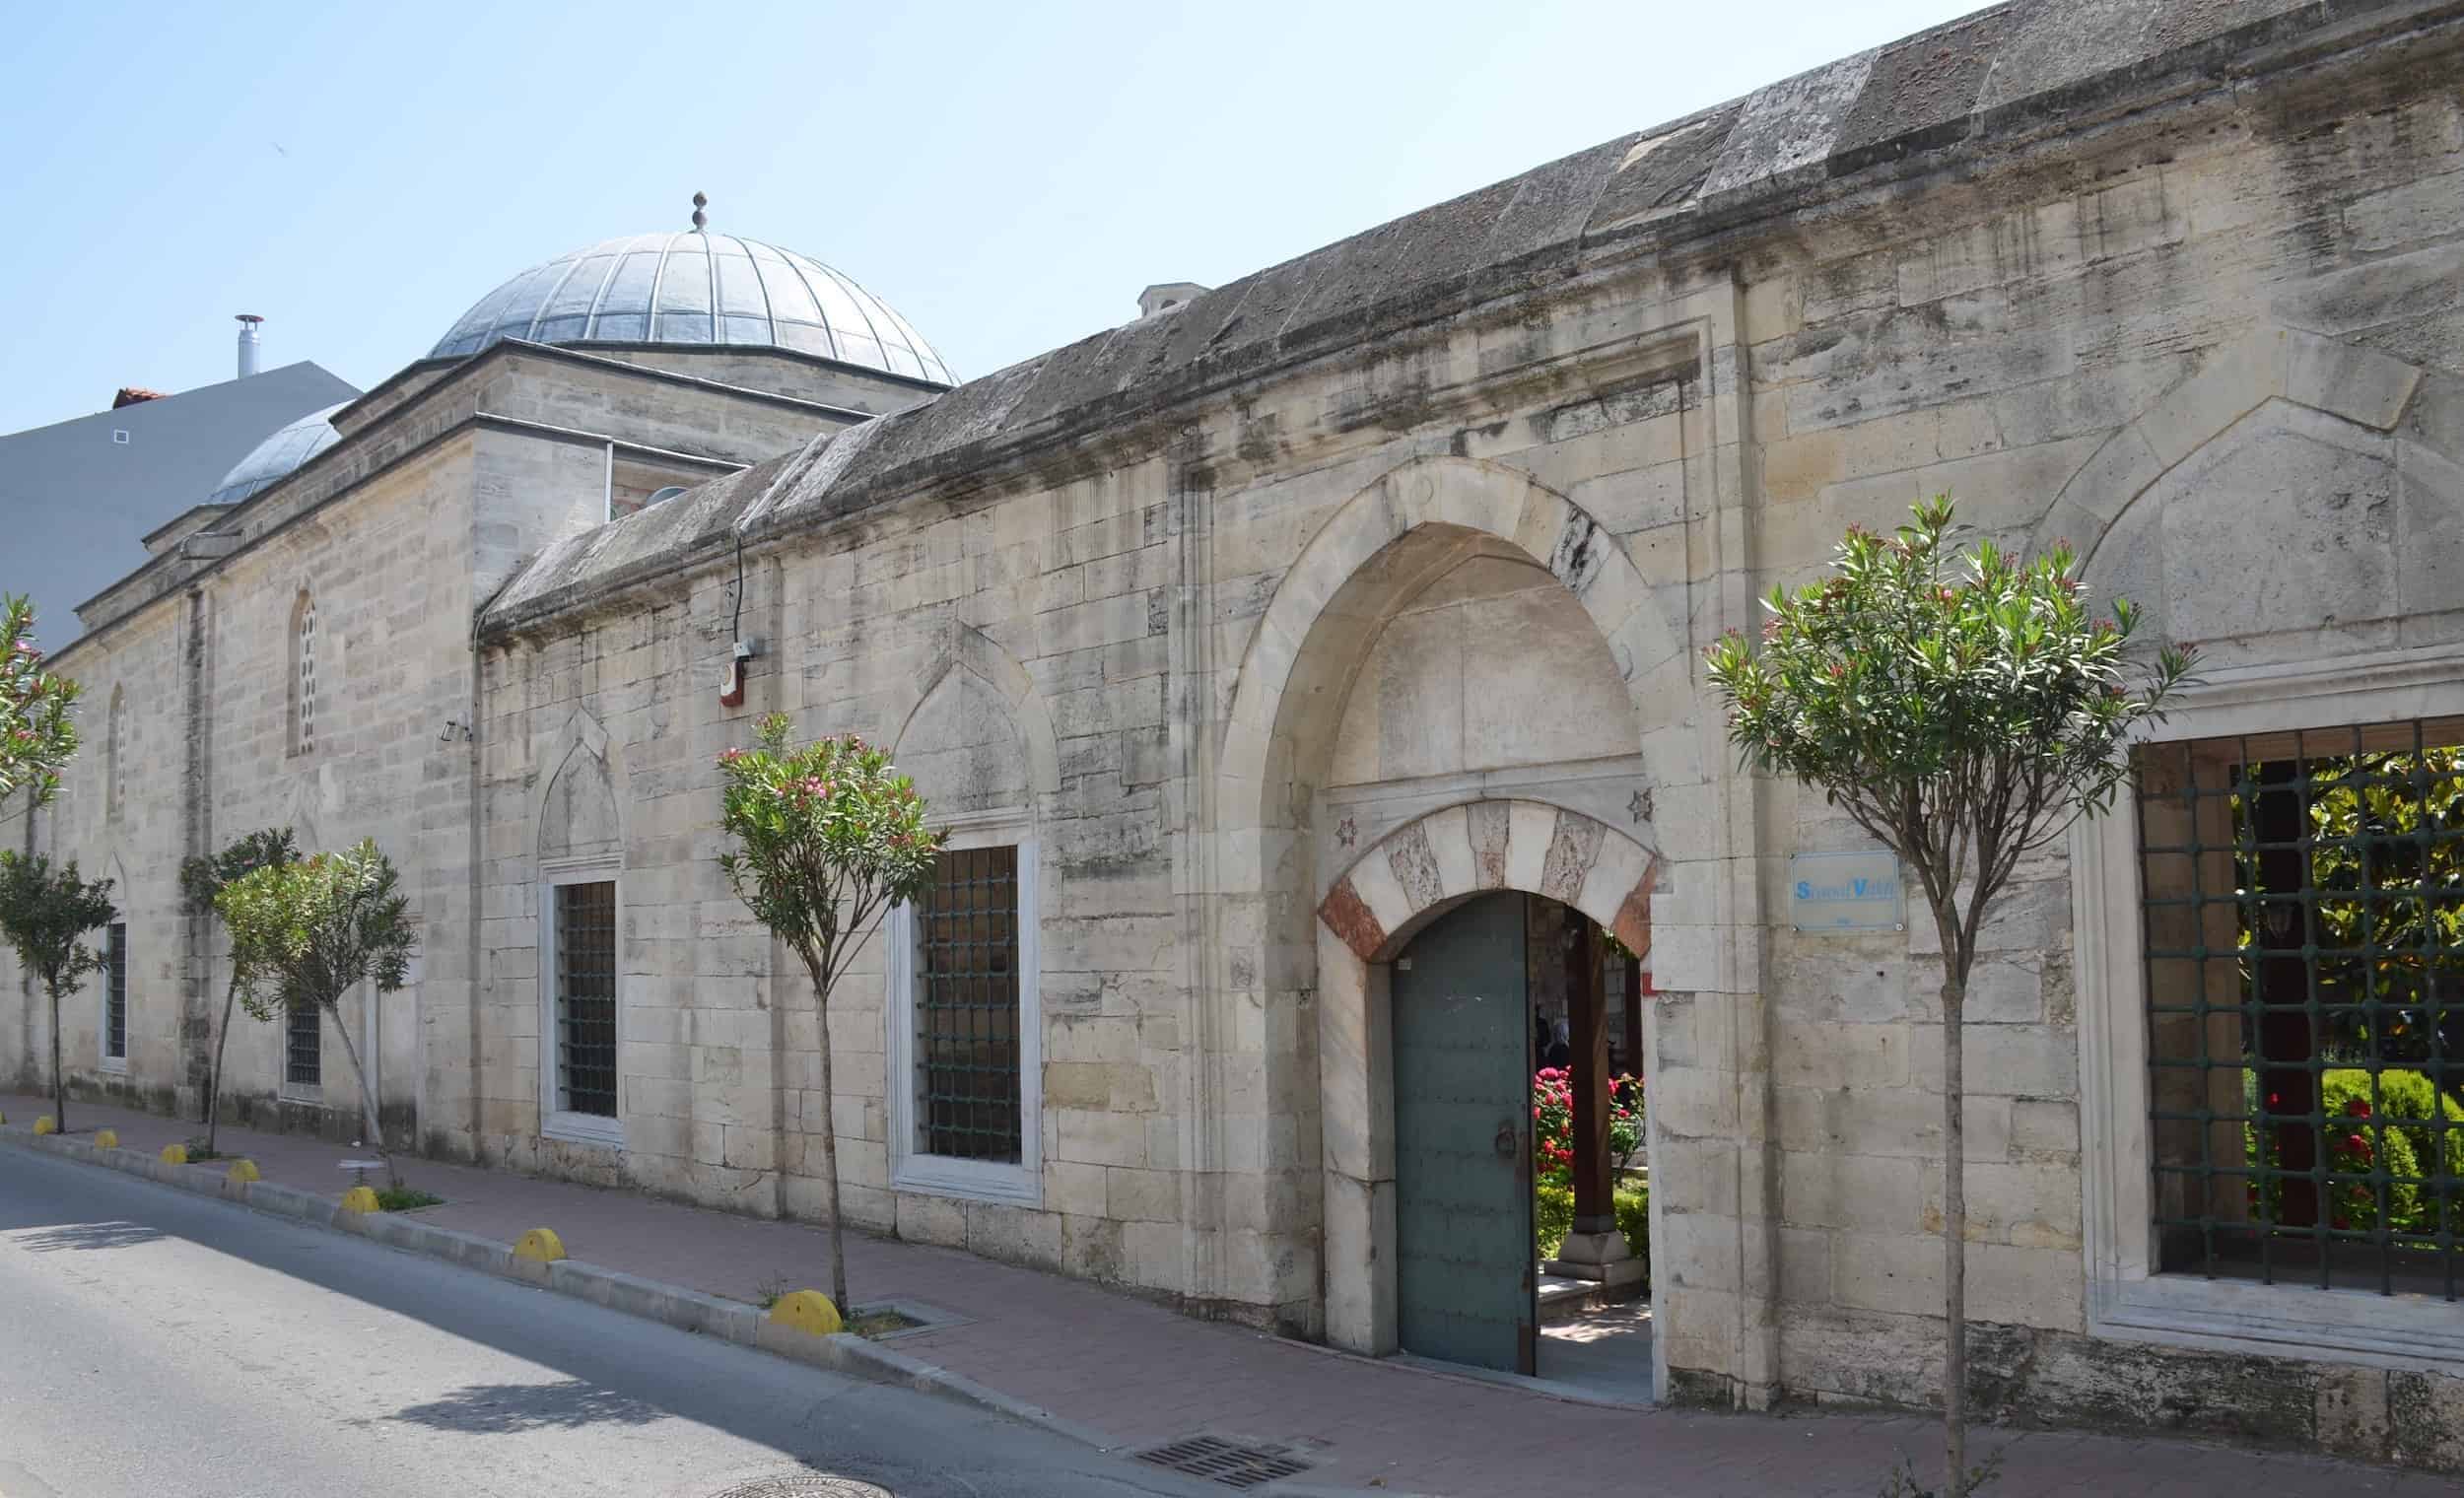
580	913
114	1028
965	1037
2194	1236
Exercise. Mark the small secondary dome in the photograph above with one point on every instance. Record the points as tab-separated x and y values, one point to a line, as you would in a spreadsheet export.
276	456
695	287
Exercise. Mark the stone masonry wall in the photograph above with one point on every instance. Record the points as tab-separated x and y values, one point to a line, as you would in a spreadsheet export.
1232	653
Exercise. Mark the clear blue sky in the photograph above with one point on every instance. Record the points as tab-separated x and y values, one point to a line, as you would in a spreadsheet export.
1008	175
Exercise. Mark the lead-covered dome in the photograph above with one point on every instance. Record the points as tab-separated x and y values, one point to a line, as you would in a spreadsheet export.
696	286
273	458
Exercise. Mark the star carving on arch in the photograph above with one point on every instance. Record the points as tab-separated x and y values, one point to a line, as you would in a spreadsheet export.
1640	805
1348	832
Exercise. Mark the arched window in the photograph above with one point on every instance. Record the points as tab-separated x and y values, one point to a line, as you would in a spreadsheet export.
116	738
304	673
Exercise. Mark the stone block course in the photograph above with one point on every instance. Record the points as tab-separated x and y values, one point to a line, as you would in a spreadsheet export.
1363	584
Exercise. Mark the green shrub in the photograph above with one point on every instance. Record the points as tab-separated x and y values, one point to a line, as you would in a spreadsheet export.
1634	1221
1552	1216
2393	1130
2403	1095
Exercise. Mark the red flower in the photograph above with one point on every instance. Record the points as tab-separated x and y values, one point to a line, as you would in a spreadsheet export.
2358	1108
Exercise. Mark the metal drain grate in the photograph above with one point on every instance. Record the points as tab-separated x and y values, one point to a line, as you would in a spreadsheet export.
1227	1462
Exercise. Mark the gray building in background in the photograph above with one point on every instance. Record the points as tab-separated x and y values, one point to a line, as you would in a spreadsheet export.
79	497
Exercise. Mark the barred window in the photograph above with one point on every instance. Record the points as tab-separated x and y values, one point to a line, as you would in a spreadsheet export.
115	993
586	997
2303	925
965	1007
304	673
304	1046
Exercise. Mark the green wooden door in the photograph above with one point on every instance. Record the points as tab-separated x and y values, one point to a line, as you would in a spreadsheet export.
1462	1141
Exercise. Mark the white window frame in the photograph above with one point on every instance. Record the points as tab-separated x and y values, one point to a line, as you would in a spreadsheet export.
104	1061
556	1122
2127	1299
910	1169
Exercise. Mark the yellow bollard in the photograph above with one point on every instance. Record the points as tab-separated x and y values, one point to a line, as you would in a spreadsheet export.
242	1170
175	1154
360	1198
107	1138
807	1311
540	1245
44	1125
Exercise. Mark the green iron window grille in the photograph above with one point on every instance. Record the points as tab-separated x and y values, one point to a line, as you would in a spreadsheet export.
304	1050
966	1002
2303	923
586	997
115	993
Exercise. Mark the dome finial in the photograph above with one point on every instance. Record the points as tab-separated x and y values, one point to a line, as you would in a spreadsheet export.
700	218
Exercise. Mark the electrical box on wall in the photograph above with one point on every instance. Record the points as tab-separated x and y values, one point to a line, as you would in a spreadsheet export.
733	694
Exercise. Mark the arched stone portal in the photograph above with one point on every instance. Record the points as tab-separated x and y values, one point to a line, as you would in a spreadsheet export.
1321	758
1394	890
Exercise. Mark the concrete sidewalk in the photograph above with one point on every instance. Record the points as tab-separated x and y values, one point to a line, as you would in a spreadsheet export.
1138	1374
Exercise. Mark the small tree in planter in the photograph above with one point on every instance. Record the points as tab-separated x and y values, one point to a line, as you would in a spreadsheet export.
36	734
828	837
315	929
201	880
45	913
1963	713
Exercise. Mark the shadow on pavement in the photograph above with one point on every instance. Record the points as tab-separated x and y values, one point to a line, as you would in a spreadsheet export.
86	1235
847	1425
505	1408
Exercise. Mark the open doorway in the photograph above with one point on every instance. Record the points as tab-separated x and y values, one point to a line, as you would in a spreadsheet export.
1520	1189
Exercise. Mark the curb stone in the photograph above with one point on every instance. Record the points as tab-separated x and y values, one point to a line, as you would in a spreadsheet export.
629	1294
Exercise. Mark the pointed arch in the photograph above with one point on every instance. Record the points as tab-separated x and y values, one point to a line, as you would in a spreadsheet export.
2357	386
576	807
306	797
1468	497
966	650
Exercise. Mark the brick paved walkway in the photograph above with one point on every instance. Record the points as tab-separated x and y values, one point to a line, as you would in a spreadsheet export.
1141	1374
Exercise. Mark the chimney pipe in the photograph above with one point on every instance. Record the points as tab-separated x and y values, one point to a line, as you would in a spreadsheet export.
247	343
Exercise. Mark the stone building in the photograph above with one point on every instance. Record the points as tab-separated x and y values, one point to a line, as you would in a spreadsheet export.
1259	646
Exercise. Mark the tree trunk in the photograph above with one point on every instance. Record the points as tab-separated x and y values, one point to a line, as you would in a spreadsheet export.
59	1082
368	1100
1954	1222
214	1078
830	1146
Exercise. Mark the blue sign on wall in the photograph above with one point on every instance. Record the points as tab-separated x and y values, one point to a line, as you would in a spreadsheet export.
1846	892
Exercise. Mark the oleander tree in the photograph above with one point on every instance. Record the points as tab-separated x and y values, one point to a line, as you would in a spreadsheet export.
1964	710
828	837
202	879
46	911
314	929
38	733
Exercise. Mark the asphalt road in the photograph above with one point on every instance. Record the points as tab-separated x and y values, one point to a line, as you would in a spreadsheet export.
157	1343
